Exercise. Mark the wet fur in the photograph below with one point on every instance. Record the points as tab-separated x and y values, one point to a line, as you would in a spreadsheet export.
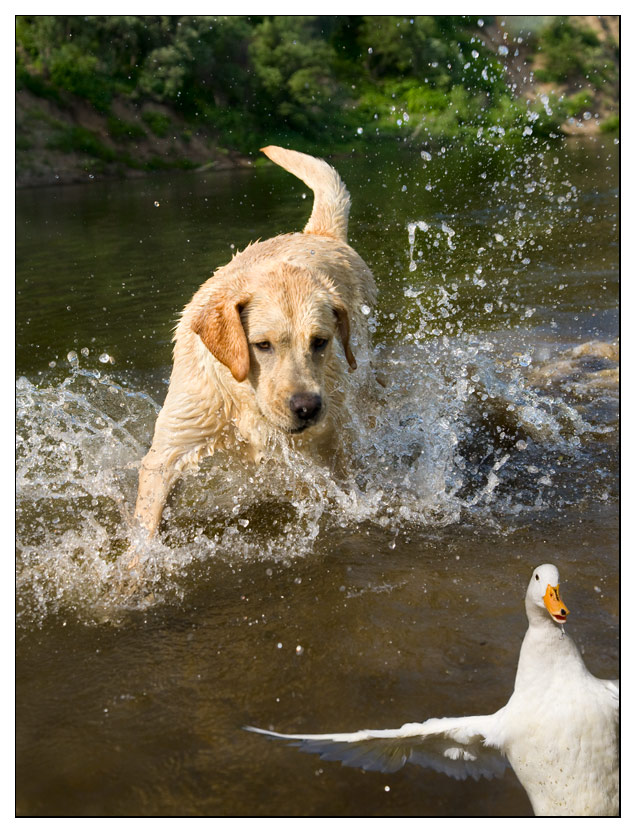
299	293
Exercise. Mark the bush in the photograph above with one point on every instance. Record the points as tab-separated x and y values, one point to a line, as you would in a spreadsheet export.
159	123
77	73
25	80
81	140
294	82
121	130
160	163
611	124
572	51
578	103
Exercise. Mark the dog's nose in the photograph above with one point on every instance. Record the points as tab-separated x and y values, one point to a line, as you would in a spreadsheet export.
306	406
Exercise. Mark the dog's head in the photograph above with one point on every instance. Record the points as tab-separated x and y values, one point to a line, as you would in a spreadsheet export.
275	330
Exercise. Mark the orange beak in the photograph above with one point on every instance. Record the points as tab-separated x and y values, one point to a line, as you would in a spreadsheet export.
555	607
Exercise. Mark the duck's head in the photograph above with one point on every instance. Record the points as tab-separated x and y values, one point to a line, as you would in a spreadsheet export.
543	592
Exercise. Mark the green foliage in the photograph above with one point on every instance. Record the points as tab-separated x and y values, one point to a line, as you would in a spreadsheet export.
571	51
81	140
76	72
434	50
420	98
197	59
160	163
159	123
294	82
35	84
23	142
575	105
299	79
398	45
37	37
611	124
45	47
121	130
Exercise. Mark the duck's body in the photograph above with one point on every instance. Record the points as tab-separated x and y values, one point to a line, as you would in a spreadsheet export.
558	731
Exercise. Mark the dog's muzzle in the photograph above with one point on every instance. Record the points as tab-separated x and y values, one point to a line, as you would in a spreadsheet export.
306	407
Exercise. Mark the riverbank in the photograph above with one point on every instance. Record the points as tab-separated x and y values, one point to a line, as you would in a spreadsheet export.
71	142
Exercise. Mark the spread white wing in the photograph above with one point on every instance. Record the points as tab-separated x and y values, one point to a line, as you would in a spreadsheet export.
456	746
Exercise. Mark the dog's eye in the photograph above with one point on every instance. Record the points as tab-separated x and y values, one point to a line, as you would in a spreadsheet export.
263	346
319	344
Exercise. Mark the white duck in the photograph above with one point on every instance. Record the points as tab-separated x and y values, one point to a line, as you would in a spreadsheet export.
558	731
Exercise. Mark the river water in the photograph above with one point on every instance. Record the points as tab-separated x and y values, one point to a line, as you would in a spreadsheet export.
279	596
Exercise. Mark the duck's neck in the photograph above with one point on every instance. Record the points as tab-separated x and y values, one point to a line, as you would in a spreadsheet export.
544	651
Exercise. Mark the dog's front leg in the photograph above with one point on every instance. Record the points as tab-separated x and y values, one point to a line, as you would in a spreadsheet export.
156	477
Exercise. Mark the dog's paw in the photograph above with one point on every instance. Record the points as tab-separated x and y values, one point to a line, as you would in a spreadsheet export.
132	586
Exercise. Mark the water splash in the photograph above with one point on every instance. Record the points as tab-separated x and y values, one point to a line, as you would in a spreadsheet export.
460	430
425	227
412	227
76	447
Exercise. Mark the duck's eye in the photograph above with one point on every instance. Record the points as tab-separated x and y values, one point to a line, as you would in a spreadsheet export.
263	346
537	576
319	344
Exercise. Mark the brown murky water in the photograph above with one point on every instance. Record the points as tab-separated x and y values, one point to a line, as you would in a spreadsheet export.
281	597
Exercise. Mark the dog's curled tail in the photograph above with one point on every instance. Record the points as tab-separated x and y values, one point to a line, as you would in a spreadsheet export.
330	213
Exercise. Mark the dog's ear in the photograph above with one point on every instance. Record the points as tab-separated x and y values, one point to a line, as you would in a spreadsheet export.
219	326
344	331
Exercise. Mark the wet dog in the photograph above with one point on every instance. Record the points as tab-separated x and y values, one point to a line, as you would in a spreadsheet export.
264	345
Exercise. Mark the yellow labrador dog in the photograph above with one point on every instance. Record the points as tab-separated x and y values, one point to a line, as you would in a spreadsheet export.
263	345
